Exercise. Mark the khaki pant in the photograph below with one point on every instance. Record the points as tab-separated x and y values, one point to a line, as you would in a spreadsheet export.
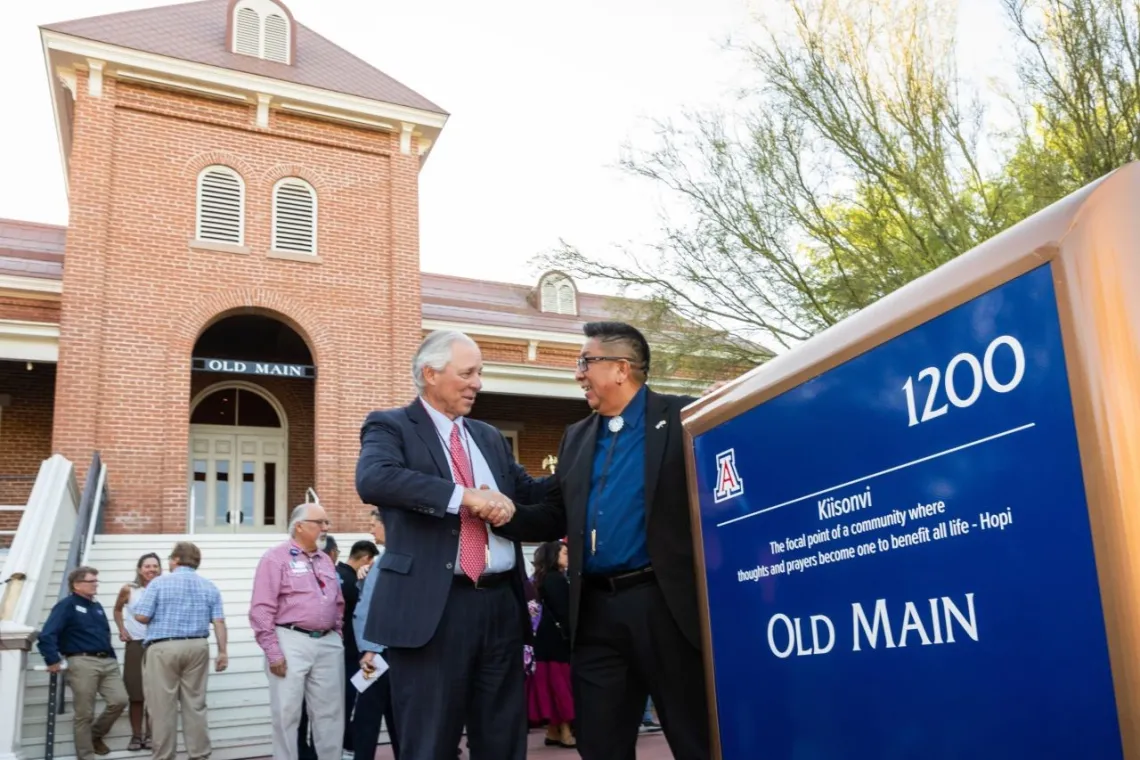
174	674
314	671
87	677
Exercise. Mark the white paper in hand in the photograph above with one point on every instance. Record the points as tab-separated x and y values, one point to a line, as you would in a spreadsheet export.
363	680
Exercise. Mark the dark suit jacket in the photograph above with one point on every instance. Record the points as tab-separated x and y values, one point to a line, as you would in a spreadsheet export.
404	471
668	531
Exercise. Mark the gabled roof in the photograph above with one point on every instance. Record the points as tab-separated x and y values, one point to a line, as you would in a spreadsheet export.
196	32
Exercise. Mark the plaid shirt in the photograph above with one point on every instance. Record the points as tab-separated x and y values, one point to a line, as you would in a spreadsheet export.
181	603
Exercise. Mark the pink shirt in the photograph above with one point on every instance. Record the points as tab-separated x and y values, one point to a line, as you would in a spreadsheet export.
287	590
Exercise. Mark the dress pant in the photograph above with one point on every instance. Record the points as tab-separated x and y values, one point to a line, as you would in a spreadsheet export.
372	704
174	673
469	673
314	670
88	676
628	647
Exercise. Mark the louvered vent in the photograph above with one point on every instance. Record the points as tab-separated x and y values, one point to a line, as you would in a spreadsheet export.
220	206
247	36
565	299
276	38
294	217
549	296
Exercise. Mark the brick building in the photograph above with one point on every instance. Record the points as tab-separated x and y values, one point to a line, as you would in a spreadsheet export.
239	282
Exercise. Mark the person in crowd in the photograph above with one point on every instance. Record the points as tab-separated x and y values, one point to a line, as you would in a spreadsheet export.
297	616
177	610
77	629
133	632
551	698
620	495
438	478
375	701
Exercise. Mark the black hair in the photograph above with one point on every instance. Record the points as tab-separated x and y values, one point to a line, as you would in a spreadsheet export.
545	562
363	549
330	545
630	338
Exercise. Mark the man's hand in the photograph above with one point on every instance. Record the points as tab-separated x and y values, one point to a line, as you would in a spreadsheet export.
278	668
362	573
55	668
489	505
366	662
123	635
223	662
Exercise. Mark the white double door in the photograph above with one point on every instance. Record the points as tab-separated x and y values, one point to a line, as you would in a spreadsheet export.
238	479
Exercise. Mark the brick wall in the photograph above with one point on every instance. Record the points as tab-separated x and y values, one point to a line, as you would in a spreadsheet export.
29	309
540	421
137	295
25	432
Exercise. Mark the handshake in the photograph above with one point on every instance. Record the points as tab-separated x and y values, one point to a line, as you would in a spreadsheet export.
489	505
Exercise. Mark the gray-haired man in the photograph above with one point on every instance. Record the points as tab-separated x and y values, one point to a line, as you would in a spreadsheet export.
296	613
439	480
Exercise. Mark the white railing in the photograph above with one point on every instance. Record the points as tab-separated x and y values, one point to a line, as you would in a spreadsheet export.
96	510
311	496
10	508
48	520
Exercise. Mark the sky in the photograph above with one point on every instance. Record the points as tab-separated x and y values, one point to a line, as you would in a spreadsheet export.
543	98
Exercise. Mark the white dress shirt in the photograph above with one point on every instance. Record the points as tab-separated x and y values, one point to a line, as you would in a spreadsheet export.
502	550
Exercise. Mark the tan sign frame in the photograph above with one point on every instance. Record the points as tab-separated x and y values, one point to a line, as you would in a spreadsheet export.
1092	240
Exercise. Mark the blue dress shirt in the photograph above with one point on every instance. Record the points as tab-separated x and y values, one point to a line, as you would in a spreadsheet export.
180	604
617	512
76	624
360	615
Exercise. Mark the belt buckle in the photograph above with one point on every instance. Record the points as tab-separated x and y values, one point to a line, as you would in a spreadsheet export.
479	587
315	634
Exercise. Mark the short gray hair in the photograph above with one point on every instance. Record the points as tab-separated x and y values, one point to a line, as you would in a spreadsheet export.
435	352
298	515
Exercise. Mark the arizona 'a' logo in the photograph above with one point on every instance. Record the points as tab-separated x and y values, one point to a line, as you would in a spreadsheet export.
729	484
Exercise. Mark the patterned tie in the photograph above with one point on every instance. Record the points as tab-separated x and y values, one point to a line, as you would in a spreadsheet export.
472	531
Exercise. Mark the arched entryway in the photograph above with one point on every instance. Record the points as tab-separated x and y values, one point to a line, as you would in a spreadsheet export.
251	425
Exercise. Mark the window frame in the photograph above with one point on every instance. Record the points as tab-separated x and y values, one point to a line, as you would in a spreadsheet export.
274	247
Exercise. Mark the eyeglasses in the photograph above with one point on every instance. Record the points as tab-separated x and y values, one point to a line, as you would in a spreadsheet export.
319	522
89	580
585	361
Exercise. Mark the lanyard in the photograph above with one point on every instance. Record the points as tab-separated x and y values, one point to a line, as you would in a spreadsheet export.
601	492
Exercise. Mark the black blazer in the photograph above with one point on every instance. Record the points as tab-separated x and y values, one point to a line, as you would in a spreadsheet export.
668	531
403	471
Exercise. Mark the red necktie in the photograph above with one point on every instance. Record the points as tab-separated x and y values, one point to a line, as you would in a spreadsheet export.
472	531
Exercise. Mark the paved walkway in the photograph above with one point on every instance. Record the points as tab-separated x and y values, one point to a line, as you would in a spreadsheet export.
649	747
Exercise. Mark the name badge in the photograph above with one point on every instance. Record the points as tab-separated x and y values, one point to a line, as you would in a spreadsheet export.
298	567
81	609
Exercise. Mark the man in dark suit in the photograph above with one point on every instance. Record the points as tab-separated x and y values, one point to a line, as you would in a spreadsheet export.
455	646
621	497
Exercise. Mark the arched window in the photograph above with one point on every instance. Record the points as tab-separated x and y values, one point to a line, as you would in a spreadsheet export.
262	29
235	407
294	216
557	294
221	205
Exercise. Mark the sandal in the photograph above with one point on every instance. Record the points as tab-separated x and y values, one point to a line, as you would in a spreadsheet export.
135	745
147	743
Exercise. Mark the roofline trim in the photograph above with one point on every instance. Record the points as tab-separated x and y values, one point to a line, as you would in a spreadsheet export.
255	83
30	284
507	333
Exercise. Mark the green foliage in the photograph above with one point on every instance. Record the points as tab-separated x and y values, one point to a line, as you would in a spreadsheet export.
859	164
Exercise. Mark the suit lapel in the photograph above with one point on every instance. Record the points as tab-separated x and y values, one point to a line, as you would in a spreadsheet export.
425	429
579	471
656	430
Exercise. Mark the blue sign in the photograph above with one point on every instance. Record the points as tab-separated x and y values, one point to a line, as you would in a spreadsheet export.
898	555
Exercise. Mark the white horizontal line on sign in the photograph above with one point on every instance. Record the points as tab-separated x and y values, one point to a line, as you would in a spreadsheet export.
896	468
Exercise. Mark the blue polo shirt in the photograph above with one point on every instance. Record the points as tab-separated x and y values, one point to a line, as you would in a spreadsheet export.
76	624
616	508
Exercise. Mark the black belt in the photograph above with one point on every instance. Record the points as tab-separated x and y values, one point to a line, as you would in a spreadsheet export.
485	581
619	581
306	631
100	655
173	638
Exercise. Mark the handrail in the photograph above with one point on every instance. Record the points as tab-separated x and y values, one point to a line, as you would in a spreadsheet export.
311	494
93	489
10	508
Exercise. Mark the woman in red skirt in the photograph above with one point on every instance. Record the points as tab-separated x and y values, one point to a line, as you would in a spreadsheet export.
550	698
